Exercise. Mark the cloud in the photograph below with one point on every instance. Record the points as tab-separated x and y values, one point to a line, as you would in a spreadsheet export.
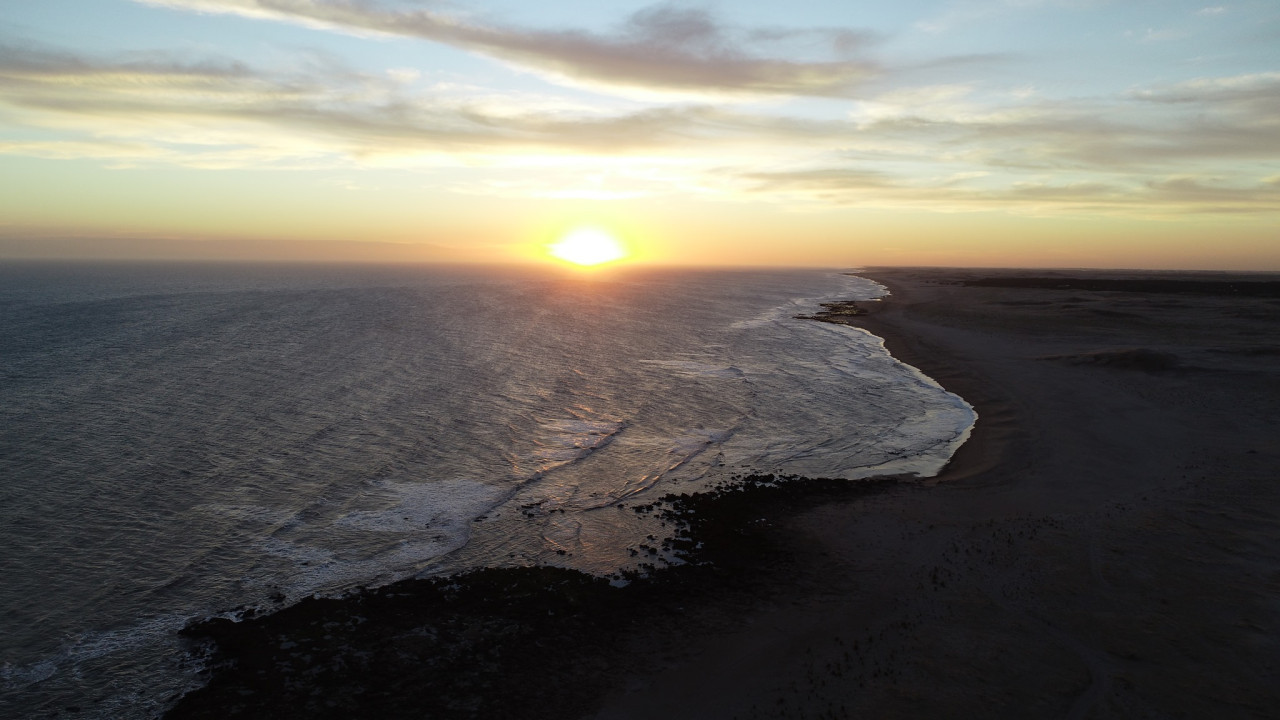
661	47
1198	144
1209	120
820	180
124	153
1213	195
1253	92
1163	196
220	113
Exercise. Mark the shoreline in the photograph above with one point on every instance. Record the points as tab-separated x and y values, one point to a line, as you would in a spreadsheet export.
1105	545
993	437
1043	572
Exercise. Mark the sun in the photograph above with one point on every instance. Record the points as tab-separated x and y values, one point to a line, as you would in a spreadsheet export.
587	247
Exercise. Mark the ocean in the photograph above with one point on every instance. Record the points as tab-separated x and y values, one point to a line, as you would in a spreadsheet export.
178	441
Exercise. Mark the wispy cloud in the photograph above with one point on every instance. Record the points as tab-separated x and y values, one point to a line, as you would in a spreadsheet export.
662	47
1162	197
203	111
1203	145
1252	92
1199	145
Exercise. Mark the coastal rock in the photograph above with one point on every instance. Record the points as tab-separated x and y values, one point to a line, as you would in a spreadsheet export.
836	312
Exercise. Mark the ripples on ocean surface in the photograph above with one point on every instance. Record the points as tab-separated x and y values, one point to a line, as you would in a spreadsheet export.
179	440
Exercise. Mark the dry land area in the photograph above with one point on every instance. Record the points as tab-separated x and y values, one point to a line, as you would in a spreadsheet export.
1106	545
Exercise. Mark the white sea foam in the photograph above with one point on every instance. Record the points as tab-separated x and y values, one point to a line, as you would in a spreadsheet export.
424	520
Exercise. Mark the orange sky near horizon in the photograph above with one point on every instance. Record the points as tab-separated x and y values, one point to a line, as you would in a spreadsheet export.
664	235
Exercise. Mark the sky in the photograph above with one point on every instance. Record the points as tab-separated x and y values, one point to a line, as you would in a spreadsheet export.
833	133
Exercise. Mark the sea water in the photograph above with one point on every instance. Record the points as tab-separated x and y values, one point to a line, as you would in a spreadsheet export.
180	440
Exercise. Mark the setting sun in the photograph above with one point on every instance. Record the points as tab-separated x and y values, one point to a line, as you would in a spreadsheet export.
588	246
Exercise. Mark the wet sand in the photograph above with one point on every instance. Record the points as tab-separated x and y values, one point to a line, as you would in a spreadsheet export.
1107	544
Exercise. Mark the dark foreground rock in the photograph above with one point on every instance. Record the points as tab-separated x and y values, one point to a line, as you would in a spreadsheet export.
538	642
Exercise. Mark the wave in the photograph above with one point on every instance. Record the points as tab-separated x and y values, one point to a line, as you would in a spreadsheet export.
569	440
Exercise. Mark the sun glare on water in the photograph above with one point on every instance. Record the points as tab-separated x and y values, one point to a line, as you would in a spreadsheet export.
587	247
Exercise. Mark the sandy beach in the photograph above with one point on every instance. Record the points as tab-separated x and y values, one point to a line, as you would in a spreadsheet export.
1105	545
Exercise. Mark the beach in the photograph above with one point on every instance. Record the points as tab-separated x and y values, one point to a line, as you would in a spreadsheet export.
1105	545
